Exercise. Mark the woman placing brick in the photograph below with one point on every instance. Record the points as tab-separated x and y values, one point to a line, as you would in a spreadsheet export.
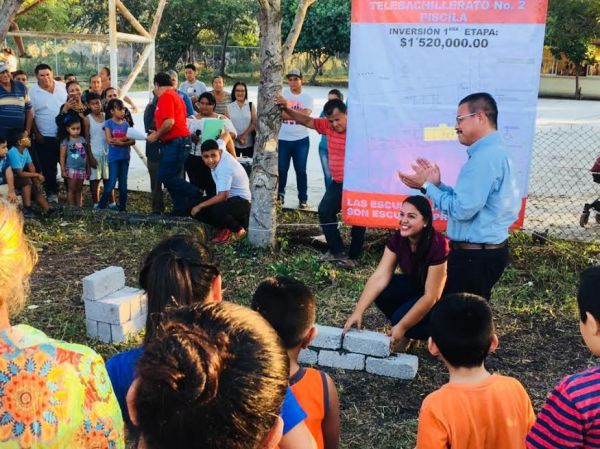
406	298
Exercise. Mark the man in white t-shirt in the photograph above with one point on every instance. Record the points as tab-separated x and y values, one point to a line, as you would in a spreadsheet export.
293	139
229	209
191	86
47	96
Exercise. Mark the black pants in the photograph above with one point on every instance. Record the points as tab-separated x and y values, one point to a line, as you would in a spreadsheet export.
47	154
475	270
199	174
329	207
158	205
232	214
246	152
398	298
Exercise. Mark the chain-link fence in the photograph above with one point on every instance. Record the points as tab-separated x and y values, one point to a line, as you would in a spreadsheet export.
561	182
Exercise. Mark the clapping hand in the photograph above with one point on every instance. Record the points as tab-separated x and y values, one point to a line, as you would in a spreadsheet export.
424	170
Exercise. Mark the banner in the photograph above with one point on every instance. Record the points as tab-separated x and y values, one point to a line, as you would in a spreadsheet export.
411	62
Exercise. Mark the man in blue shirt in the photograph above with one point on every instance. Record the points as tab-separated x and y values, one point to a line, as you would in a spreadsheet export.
482	205
15	107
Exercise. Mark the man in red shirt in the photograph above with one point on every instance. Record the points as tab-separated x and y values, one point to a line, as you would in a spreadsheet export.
175	144
334	127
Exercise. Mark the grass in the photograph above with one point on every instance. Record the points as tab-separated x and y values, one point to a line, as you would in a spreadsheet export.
534	307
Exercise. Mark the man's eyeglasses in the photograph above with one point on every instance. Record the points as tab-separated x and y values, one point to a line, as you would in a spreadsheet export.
460	118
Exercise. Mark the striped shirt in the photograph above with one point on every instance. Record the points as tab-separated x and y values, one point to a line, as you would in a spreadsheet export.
570	418
336	147
13	106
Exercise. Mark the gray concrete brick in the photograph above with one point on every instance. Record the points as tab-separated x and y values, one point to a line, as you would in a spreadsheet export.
103	282
334	359
144	304
400	366
107	311
328	337
367	342
104	332
122	332
308	357
91	327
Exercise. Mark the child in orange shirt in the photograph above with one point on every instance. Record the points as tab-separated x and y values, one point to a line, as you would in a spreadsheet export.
475	409
289	306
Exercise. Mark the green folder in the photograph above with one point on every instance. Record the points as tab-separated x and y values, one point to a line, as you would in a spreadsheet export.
212	129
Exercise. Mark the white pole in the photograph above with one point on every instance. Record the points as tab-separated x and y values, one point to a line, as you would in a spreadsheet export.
112	36
151	68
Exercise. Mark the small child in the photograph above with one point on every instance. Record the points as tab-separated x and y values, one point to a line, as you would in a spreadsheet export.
26	178
6	173
74	164
99	148
289	306
570	418
119	150
475	409
229	209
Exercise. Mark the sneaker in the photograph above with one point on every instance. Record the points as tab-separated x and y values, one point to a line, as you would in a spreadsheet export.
319	239
28	212
112	206
222	237
303	205
53	198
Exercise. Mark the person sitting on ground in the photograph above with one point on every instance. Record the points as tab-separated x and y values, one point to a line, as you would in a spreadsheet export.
27	179
229	209
54	394
475	409
570	415
6	174
214	376
181	271
289	306
197	171
407	297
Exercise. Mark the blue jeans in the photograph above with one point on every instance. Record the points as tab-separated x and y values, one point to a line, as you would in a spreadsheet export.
172	160
297	151
398	298
324	156
329	207
117	171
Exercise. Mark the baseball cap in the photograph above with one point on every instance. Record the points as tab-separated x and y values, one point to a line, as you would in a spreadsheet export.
294	72
3	66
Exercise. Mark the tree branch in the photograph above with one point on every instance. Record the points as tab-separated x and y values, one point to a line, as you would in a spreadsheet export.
292	38
7	12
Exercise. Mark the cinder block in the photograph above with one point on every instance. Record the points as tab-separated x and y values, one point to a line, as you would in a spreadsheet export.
104	332
367	342
122	332
400	366
334	359
91	327
308	357
328	337
144	304
127	295
103	282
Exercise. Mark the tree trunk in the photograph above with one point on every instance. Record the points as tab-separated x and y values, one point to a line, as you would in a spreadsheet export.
7	13
263	180
577	87
294	34
317	61
228	29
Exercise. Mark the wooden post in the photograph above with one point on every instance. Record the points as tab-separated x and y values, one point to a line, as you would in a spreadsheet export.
157	17
112	40
131	19
137	68
151	68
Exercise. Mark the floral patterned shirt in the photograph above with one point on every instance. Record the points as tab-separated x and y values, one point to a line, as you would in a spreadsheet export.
54	394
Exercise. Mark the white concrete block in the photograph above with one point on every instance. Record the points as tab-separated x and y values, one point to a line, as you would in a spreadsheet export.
334	359
367	342
124	331
308	357
144	304
400	366
129	295
91	327
328	337
104	332
103	282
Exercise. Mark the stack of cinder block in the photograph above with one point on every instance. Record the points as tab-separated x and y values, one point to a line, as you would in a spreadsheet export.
358	350
113	312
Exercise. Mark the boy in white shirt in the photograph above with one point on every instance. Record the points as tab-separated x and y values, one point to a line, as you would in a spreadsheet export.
229	209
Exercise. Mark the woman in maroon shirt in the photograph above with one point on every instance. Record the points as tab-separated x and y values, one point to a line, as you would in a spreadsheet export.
406	297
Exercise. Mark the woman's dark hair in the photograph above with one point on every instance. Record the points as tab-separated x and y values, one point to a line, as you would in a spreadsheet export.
239	83
14	136
215	375
70	83
178	271
209	97
419	257
107	71
334	104
115	104
337	93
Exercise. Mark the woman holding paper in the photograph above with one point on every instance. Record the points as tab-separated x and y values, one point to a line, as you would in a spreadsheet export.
406	297
207	124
